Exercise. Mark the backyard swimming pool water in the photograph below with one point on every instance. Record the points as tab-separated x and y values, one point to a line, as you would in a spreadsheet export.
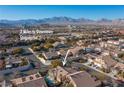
49	82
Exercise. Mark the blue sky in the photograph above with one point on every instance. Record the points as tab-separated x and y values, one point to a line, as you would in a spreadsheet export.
95	12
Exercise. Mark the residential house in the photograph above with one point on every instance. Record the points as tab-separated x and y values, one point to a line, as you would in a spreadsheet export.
115	52
83	79
74	59
34	80
121	40
5	83
121	47
59	45
105	62
76	50
118	67
70	76
50	55
13	62
113	42
103	44
79	43
62	38
121	32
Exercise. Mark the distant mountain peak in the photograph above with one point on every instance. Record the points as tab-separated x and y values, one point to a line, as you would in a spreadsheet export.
60	20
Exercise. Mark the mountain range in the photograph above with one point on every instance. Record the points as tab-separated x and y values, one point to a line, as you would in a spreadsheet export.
60	21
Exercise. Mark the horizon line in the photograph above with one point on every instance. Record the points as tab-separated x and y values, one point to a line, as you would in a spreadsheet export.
61	17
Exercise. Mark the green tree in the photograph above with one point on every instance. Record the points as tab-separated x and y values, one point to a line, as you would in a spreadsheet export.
24	62
120	55
56	63
40	55
50	40
70	85
35	48
48	45
17	51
